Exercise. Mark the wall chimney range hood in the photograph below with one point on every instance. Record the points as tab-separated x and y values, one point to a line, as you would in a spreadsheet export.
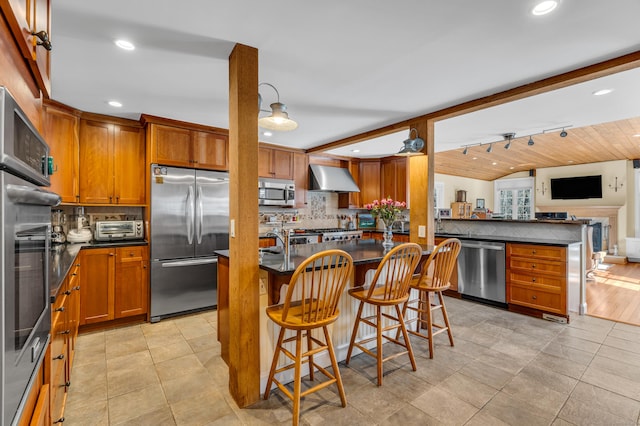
331	179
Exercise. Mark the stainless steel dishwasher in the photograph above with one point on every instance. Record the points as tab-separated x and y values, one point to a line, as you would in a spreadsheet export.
481	271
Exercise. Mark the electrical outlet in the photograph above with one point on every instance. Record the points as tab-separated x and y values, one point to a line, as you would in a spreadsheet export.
263	288
232	228
422	231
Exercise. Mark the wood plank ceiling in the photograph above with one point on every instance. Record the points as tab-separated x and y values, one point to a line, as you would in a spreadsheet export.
591	144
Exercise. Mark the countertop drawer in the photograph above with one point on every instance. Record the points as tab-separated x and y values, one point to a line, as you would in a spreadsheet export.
551	301
541	266
536	280
537	251
124	253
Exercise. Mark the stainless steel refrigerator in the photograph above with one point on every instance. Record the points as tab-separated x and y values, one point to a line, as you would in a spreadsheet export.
189	221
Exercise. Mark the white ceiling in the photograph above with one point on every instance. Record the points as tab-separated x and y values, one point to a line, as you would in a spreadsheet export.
344	68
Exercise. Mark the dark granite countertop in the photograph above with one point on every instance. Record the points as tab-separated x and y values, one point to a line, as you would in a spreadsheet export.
362	252
523	240
62	257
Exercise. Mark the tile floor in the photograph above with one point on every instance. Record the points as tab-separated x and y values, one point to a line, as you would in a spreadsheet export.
504	369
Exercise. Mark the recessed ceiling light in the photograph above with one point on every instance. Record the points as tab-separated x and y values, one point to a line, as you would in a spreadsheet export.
115	104
602	92
494	164
267	133
637	135
570	161
544	7
511	168
124	44
474	158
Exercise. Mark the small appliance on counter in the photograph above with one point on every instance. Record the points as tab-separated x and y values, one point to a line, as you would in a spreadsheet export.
82	232
116	230
58	220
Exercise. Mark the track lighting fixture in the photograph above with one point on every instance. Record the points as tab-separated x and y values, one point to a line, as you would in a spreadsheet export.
530	143
563	133
490	147
508	137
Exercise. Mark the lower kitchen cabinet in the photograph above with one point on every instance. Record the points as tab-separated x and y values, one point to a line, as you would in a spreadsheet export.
114	283
64	331
537	277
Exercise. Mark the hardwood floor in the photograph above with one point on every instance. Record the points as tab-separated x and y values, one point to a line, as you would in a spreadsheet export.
615	293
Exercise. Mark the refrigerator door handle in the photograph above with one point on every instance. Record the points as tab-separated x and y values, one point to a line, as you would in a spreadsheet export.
190	215
191	262
200	222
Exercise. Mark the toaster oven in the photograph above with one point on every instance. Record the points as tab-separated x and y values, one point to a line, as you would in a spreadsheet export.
115	230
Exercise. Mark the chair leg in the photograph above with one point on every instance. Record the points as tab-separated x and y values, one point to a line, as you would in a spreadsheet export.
446	317
379	343
274	363
406	337
354	333
297	384
429	324
334	364
309	344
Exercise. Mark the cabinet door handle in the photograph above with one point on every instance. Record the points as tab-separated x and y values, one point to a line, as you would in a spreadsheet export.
111	254
533	266
117	198
533	279
60	309
534	297
61	356
65	332
77	287
67	384
43	39
110	199
60	420
68	292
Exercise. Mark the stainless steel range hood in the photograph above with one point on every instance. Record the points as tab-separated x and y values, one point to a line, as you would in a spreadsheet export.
331	179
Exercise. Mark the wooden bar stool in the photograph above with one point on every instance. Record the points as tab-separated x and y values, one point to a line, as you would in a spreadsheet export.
434	278
389	288
311	302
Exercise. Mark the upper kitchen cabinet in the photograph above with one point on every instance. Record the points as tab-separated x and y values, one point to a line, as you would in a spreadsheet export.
30	22
187	145
61	133
275	163
112	162
394	178
301	177
369	181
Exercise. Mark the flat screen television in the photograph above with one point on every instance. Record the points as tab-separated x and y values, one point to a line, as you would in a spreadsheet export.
576	188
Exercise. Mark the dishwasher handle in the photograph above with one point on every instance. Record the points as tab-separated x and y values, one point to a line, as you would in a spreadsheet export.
483	245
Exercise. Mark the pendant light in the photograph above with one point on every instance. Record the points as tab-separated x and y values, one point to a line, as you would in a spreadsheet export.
412	146
279	119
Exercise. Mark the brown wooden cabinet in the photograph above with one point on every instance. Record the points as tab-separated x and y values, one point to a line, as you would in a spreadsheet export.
275	163
64	332
114	283
61	133
369	181
25	18
184	147
97	284
394	178
112	163
131	281
537	277
460	210
301	177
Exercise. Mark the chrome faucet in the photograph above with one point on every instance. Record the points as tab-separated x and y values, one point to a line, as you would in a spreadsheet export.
284	236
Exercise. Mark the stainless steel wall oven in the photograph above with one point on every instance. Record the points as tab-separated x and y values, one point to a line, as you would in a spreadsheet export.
25	232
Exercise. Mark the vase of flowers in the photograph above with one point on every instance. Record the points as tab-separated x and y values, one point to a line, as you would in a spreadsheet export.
387	210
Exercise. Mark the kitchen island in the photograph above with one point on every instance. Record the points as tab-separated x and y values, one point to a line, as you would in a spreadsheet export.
274	279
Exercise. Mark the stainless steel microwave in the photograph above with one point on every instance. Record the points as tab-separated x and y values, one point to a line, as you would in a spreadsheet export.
276	192
23	151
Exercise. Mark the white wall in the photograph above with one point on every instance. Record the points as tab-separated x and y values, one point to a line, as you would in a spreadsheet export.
623	198
475	189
